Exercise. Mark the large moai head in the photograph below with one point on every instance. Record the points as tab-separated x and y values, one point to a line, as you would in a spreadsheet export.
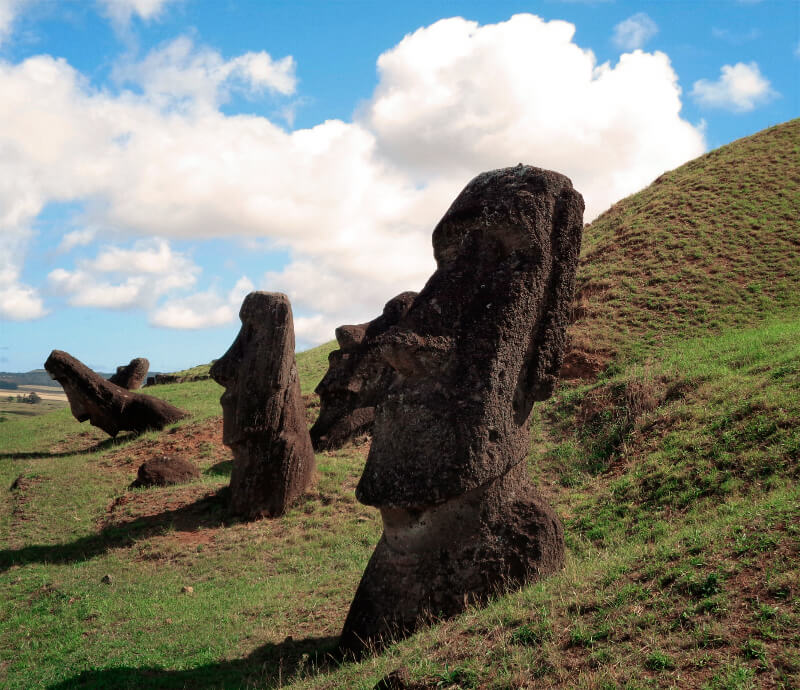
481	343
263	416
357	378
478	346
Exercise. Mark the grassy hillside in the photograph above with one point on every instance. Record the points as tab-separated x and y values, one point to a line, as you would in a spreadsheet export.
675	474
709	246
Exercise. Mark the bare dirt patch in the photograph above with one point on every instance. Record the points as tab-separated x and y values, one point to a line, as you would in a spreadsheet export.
199	442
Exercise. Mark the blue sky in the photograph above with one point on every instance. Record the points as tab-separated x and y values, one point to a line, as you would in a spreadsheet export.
161	158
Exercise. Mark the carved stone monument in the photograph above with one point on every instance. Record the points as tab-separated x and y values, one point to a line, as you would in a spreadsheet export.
479	345
105	405
263	416
356	380
131	375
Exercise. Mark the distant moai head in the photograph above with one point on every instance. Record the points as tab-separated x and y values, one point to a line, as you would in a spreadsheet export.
357	378
255	365
481	343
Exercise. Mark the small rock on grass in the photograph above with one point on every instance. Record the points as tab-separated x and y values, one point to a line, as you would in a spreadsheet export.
187	589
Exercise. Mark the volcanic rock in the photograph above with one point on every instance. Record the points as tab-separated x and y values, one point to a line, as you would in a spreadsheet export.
132	375
263	416
357	379
478	346
107	406
164	471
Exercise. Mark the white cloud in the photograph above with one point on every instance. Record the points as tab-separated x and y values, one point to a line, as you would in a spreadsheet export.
740	88
9	11
77	238
125	278
635	31
354	203
179	73
18	301
121	11
204	309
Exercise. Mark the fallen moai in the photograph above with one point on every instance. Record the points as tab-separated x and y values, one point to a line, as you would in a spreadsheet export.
357	378
106	405
479	345
131	375
263	416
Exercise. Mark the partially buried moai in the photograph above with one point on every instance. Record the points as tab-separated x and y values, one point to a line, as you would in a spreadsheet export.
357	378
131	375
480	344
263	416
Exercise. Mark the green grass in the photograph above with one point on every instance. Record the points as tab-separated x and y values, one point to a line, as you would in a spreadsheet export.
675	474
710	246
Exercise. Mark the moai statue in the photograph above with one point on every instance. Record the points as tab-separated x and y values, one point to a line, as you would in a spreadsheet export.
106	405
480	344
263	416
131	375
356	380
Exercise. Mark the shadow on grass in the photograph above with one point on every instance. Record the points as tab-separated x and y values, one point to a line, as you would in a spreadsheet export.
96	448
270	666
211	511
221	469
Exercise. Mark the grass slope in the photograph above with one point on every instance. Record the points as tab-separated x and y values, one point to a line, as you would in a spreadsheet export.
708	246
675	474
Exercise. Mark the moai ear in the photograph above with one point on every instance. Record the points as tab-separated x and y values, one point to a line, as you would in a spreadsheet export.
539	373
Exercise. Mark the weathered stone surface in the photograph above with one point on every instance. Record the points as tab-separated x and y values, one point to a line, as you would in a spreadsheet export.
131	375
479	345
357	378
107	406
165	470
263	416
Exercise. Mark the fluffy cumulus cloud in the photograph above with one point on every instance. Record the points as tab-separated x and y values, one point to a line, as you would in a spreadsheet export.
181	74
635	31
740	88
354	202
120	278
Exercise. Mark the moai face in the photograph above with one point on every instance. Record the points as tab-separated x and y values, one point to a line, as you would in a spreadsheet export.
253	363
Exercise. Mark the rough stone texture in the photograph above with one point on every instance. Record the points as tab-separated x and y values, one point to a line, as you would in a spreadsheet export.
479	345
165	470
132	375
263	415
357	378
107	406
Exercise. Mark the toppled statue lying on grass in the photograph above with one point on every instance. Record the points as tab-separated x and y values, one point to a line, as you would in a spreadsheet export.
477	347
107	406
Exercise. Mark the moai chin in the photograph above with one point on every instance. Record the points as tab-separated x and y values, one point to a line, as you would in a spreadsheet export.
480	344
263	415
357	378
